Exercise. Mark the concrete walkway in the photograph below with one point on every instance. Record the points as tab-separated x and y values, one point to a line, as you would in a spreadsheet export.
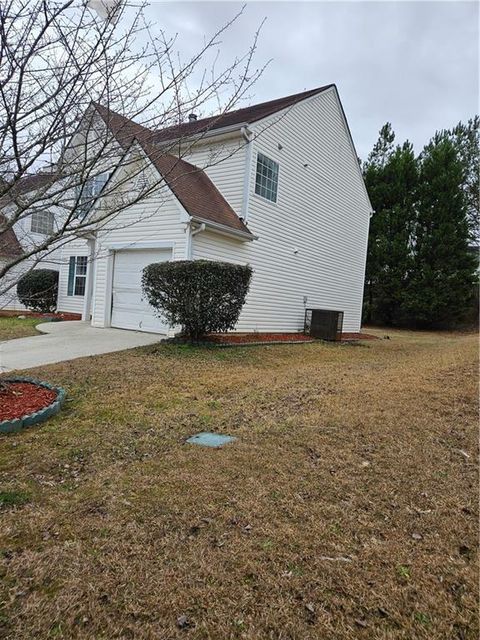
66	341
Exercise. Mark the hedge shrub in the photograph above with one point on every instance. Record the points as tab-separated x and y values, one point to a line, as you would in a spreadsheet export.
37	290
202	296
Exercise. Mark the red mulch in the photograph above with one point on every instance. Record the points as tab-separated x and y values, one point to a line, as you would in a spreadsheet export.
36	314
246	338
23	398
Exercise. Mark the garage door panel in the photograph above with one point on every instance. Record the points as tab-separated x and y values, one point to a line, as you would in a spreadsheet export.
129	308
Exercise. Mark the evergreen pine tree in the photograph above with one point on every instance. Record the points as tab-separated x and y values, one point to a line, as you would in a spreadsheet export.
391	179
466	139
383	148
396	239
373	176
443	271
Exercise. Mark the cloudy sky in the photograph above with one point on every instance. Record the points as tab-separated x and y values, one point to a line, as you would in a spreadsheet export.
414	64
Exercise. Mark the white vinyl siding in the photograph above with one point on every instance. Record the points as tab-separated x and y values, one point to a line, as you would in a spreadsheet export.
224	163
66	302
313	243
9	300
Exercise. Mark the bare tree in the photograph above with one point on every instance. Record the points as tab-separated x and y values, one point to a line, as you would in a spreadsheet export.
65	75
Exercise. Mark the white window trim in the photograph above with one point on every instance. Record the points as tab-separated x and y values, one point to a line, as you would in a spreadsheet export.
75	276
258	195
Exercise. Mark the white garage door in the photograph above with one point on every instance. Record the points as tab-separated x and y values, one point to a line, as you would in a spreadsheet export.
129	308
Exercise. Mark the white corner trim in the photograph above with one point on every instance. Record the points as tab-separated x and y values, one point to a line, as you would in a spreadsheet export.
248	135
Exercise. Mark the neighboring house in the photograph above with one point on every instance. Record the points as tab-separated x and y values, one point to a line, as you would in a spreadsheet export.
29	231
276	185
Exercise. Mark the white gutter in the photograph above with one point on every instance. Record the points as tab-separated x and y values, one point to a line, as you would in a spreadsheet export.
224	230
248	135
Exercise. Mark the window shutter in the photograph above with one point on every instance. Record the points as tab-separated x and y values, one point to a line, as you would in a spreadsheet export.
71	276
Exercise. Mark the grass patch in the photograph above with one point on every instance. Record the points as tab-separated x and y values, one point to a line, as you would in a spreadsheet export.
11	327
346	508
9	499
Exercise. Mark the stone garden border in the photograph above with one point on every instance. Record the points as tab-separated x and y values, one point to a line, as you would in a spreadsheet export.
11	426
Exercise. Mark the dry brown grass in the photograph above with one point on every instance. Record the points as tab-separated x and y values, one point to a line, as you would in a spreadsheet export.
367	455
12	327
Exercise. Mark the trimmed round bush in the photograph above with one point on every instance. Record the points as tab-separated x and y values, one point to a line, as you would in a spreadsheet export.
37	290
203	296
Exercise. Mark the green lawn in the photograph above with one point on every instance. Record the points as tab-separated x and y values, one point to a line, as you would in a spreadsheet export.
347	508
18	328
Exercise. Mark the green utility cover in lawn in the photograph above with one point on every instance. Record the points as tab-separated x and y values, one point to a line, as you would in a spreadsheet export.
207	439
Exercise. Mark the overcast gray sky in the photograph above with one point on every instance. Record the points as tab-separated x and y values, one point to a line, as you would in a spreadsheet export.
414	64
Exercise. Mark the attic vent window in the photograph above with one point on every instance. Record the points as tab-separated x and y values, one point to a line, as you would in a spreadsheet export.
266	180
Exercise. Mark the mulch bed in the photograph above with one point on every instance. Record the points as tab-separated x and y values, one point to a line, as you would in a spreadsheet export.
37	314
251	338
265	338
23	398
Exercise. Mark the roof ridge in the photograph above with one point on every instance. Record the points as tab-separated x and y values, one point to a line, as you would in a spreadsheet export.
253	113
294	98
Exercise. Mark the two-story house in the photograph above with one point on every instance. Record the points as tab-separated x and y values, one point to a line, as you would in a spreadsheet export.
276	185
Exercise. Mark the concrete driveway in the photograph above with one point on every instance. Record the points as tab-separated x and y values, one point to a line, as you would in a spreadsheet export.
66	341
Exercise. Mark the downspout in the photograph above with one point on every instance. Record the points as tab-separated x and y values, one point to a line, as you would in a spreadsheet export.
87	305
248	135
188	240
190	235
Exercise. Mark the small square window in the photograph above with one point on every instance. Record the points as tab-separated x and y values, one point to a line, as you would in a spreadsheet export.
266	180
42	222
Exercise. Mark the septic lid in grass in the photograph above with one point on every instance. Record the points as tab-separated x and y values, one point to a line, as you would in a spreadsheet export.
207	439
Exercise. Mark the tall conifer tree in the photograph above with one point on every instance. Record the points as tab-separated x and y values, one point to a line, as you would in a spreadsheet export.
391	179
443	269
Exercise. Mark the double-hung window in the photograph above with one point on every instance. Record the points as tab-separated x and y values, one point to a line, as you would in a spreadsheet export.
88	192
266	180
77	275
42	222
